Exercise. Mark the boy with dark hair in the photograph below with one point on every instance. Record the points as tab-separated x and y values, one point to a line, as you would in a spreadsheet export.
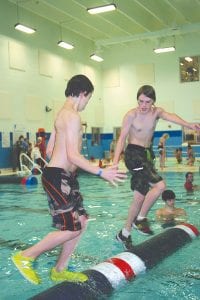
170	215
59	180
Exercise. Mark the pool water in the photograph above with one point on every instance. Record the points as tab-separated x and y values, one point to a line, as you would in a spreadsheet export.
25	220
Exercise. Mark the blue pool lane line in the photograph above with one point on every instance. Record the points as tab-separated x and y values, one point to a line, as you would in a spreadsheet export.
112	273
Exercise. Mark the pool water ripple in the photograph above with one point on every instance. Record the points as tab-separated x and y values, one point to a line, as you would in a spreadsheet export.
25	220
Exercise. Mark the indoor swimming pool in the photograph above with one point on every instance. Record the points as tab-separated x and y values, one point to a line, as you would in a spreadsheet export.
25	220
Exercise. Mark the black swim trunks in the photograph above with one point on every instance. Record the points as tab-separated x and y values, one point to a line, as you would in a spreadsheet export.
160	148
139	161
64	198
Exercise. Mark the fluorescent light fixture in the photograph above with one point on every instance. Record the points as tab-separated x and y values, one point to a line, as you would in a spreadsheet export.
189	59
101	9
163	50
24	28
65	45
96	57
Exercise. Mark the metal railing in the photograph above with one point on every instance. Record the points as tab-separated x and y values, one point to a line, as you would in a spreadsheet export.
32	165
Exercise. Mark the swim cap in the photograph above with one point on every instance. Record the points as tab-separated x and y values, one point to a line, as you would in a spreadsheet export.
168	194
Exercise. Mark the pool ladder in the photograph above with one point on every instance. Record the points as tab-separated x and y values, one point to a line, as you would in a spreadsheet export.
27	169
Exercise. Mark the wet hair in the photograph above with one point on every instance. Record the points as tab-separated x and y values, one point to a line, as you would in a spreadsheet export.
187	174
168	194
79	84
148	91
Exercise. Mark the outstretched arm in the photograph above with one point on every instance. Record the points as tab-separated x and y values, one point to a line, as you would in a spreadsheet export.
126	124
171	117
72	130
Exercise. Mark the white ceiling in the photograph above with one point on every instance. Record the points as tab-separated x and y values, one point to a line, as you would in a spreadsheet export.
132	21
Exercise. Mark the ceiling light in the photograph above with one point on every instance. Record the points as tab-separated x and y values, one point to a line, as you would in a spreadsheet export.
65	45
96	57
24	28
163	50
101	9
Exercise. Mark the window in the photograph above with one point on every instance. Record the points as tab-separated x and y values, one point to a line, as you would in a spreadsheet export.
189	68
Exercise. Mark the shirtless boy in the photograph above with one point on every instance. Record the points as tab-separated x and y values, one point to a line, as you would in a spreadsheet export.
60	183
170	215
138	126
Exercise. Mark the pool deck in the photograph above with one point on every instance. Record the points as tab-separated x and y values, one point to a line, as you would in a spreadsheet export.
171	166
9	172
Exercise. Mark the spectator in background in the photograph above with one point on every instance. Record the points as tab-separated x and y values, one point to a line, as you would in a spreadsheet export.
42	146
162	149
188	185
36	155
170	215
29	151
19	147
190	155
15	156
112	149
178	155
38	152
25	144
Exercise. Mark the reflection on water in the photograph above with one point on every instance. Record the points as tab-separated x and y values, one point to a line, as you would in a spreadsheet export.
25	220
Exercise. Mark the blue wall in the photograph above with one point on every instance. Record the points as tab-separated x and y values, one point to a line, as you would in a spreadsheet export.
174	141
5	153
98	151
